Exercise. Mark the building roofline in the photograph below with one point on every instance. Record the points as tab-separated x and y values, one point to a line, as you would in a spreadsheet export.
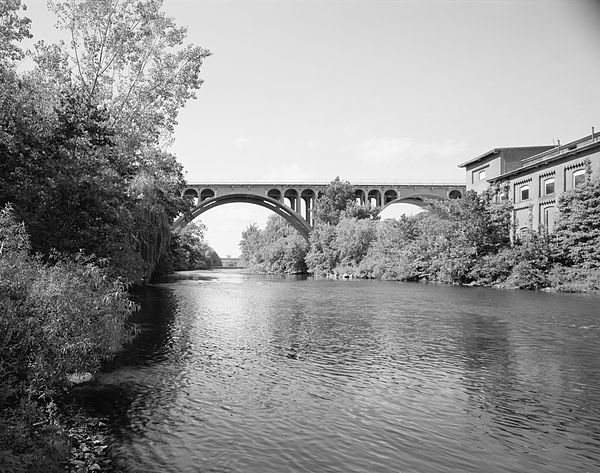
554	154
497	150
480	157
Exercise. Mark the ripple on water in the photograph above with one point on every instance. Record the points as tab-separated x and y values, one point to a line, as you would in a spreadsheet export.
242	374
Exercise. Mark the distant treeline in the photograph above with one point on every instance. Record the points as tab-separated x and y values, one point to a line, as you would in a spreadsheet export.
462	241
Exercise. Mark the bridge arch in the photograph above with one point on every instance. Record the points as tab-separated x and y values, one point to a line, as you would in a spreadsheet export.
291	216
297	202
418	199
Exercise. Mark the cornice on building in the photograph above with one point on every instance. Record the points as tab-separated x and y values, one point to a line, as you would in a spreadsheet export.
567	151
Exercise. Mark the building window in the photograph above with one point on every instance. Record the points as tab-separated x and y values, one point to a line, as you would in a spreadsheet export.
549	186
524	192
482	175
578	177
523	233
549	218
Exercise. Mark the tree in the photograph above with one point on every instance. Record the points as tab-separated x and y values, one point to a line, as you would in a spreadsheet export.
479	220
250	245
58	318
130	57
577	230
83	135
323	255
278	248
389	256
13	29
190	250
334	200
353	239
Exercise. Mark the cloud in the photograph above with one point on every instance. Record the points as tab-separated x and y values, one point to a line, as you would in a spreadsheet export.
385	150
241	141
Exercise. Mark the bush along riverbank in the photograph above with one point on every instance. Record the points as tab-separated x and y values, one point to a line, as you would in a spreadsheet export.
57	318
88	195
463	241
57	438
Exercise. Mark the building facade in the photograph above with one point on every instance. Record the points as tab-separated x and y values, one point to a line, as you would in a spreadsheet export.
494	163
534	177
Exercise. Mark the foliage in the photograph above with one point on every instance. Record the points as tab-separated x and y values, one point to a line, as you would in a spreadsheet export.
333	201
389	256
577	229
466	242
28	443
477	220
189	250
323	255
353	238
130	57
531	261
13	29
81	136
443	245
276	249
57	318
574	279
83	162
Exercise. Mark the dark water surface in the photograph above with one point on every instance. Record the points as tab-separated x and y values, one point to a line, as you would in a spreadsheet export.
236	373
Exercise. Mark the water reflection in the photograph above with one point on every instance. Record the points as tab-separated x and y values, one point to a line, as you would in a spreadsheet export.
240	373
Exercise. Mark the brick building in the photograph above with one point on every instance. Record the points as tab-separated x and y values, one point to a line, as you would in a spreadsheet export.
533	177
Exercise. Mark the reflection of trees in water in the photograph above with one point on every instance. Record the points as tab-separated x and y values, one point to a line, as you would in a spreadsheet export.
488	359
158	308
322	332
519	388
149	373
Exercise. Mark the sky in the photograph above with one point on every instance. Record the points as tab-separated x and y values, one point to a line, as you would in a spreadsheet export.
382	90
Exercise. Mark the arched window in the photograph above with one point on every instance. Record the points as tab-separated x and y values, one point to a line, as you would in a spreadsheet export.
525	192
549	186
578	177
523	233
549	218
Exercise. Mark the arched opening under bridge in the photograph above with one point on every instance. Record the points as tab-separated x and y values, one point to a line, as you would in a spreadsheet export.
267	202
394	207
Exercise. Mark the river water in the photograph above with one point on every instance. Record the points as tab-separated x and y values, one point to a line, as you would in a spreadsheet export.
239	373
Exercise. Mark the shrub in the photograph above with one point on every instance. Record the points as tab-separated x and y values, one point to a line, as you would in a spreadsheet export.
575	279
56	318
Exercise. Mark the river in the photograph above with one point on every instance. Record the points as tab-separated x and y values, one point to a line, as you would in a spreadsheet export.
240	373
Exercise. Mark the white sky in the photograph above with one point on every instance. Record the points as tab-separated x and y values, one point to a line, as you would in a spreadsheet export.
374	89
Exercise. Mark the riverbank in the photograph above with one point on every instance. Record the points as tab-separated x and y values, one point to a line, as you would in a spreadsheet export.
88	437
53	437
558	280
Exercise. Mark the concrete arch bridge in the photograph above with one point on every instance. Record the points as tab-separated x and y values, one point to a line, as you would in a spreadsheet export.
296	202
